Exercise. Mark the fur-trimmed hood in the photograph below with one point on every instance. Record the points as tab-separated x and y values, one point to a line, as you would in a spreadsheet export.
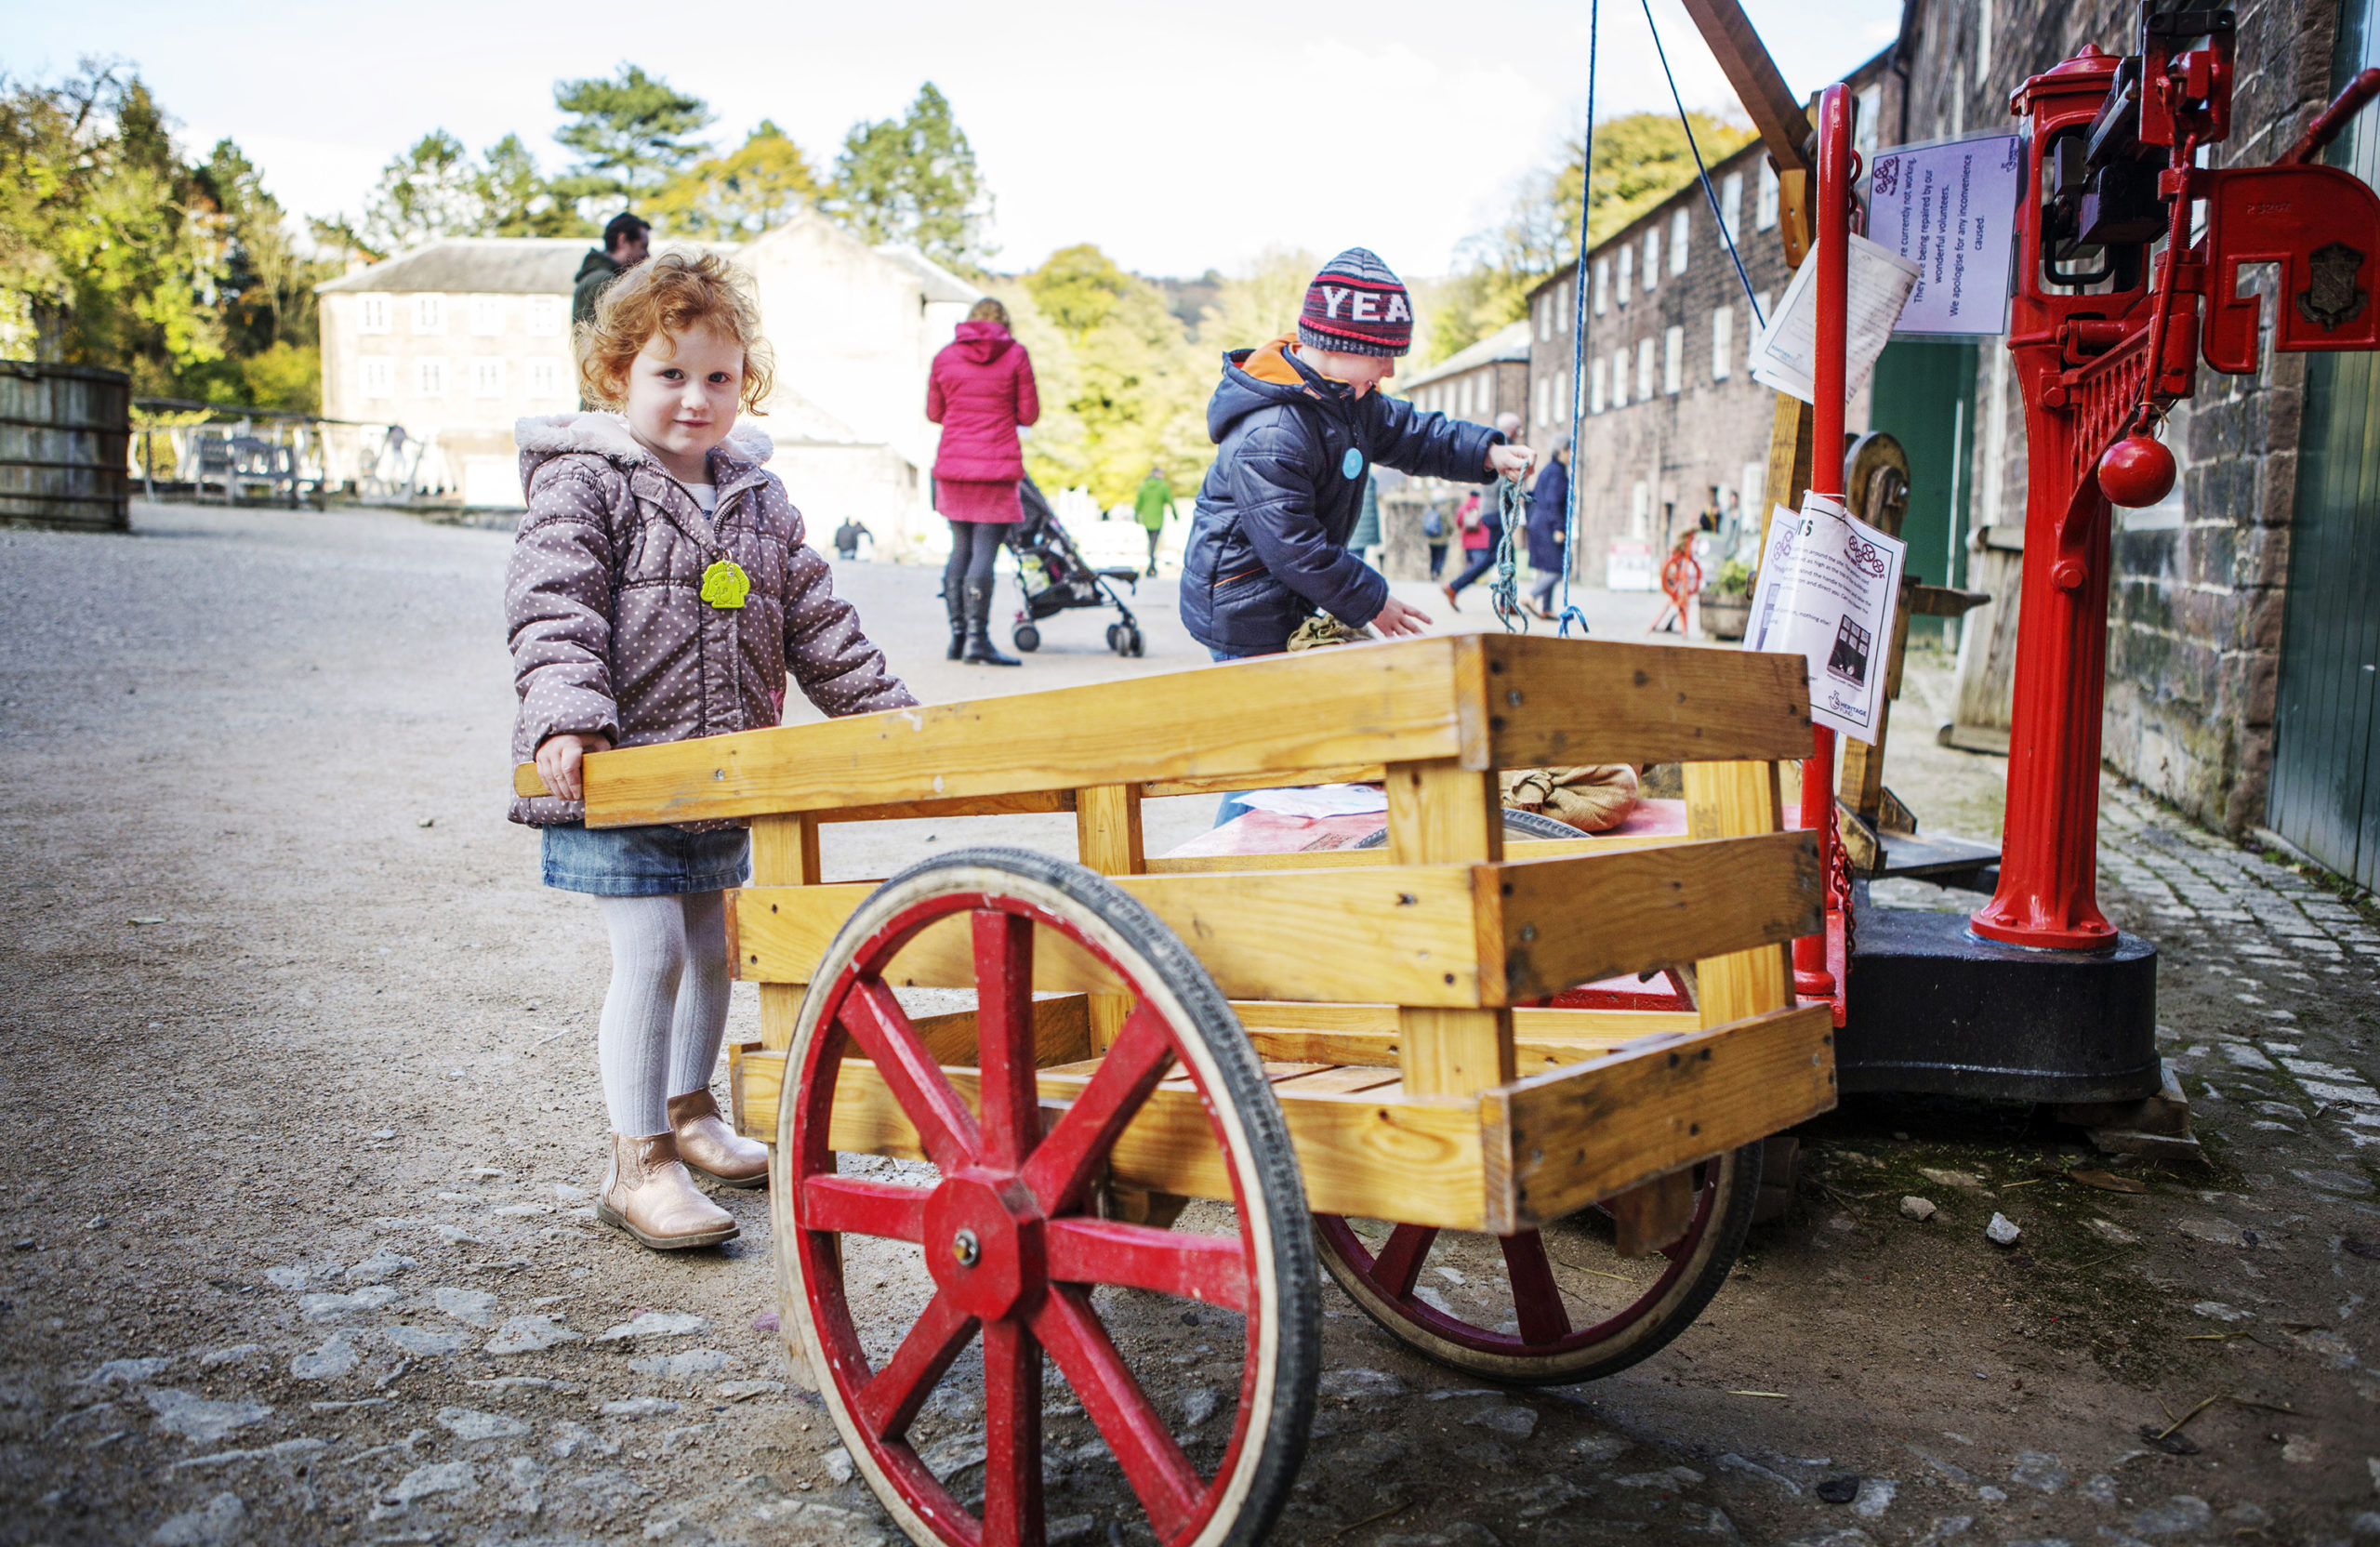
542	437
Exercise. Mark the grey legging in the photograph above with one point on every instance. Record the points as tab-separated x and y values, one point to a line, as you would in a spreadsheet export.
973	546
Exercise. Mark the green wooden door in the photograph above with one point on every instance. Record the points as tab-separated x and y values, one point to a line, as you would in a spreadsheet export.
2325	792
1924	397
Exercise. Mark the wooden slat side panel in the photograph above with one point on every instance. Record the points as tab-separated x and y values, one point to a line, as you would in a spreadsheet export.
1280	714
1225	783
1341	859
1587	1028
1365	1154
1571	701
1531	1055
1733	800
1567	921
1558	1141
1406	934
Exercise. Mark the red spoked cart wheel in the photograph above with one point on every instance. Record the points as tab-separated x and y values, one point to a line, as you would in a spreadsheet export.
1544	1307
1005	1213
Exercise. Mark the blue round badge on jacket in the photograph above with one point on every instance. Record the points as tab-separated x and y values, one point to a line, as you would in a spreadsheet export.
1351	464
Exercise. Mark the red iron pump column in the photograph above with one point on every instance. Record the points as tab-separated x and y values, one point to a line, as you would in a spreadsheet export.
2048	893
1832	253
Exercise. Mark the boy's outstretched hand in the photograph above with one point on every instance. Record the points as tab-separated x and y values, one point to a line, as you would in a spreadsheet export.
1509	460
1397	618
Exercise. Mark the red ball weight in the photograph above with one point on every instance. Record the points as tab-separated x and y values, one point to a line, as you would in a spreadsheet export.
2137	471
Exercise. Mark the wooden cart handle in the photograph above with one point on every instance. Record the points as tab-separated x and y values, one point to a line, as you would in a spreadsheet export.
526	783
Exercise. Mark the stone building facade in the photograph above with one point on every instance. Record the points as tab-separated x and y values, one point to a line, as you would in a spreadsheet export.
2201	584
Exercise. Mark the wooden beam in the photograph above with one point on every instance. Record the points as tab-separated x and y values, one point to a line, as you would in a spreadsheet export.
1107	838
1441	810
1225	783
1369	1152
1276	715
1730	800
1552	703
1760	85
1349	859
1558	1141
1567	921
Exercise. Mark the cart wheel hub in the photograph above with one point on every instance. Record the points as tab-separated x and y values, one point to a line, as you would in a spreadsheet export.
993	1265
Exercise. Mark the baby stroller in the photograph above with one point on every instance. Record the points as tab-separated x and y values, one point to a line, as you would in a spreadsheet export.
1052	575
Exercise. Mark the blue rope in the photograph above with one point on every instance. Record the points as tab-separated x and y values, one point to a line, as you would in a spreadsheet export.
1570	613
1504	595
1716	218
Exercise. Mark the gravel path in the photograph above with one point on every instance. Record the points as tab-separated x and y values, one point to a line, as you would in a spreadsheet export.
301	1060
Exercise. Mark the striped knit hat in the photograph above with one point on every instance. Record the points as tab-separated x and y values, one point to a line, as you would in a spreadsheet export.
1356	307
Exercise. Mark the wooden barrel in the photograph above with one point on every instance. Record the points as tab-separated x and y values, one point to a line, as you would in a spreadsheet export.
65	444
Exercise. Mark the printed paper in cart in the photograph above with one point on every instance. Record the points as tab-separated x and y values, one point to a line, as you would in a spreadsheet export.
1826	592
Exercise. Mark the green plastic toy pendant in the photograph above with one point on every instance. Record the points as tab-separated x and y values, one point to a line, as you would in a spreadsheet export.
725	585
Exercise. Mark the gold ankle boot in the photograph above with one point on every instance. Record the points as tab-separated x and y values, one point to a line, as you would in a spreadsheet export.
650	1194
711	1149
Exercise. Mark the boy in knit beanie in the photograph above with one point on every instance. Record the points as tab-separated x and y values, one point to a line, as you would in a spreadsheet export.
1298	425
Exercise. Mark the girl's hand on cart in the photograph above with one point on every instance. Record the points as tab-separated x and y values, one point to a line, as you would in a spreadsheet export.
1510	461
557	759
1397	618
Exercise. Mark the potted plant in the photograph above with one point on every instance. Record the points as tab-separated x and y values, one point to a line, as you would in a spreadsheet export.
1727	602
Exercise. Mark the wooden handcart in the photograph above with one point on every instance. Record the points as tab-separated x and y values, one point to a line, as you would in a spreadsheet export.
1335	1049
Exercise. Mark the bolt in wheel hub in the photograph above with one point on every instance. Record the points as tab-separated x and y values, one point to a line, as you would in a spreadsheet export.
992	1263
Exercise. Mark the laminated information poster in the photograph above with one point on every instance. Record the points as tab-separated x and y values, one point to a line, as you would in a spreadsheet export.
1828	585
1878	283
1950	208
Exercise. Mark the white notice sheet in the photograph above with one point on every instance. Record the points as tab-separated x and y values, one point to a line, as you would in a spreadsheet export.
1950	208
1828	585
1787	353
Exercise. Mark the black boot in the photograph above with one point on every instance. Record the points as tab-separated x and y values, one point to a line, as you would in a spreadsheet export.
978	648
952	599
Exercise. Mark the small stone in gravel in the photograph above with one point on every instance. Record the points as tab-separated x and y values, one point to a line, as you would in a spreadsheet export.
2100	1489
1875	1496
2002	1231
1839	1490
2110	1232
129	1372
2183	1512
744	1391
96	1222
456	1235
471	1307
1198	1405
837	1463
569	1194
382	1133
329	1362
331	1307
198	1419
231	1356
571	1438
1510	1419
1733	1463
466	1423
1070	1528
211	1525
2213	1232
681	1367
2334	1182
655	1323
640	1407
530	1335
423	1481
1918	1208
1671	1478
379	1267
1598	1447
1964	1180
1361	1384
2214	1310
2038	1469
290	1277
420	1343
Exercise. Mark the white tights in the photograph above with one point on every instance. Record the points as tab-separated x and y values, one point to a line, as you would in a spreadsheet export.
667	1010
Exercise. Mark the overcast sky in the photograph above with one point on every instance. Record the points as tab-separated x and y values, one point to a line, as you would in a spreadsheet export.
1178	138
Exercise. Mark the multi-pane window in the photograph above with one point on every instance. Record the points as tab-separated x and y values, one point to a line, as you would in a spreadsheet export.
1644	367
428	313
371	314
1562	309
1619	377
545	379
1602	284
380	376
1595	386
488	316
1673	359
1722	342
1652	257
430	377
1764	213
1731	204
1627	269
488	377
1681	224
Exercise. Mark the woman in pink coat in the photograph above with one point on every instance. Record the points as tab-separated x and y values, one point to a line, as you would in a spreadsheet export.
981	391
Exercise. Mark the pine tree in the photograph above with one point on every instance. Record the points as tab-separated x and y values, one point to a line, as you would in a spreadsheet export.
913	179
631	132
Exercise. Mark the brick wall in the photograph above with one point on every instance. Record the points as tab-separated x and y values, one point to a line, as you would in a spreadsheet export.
2196	601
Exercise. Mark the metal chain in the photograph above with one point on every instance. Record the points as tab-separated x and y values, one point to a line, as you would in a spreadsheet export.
1513	514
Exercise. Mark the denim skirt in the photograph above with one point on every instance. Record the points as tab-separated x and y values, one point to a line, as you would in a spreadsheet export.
645	862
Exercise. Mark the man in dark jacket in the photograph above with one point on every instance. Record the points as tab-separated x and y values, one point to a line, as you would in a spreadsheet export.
626	240
1298	426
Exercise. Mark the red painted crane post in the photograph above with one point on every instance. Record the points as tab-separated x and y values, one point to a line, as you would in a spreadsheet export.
1813	976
